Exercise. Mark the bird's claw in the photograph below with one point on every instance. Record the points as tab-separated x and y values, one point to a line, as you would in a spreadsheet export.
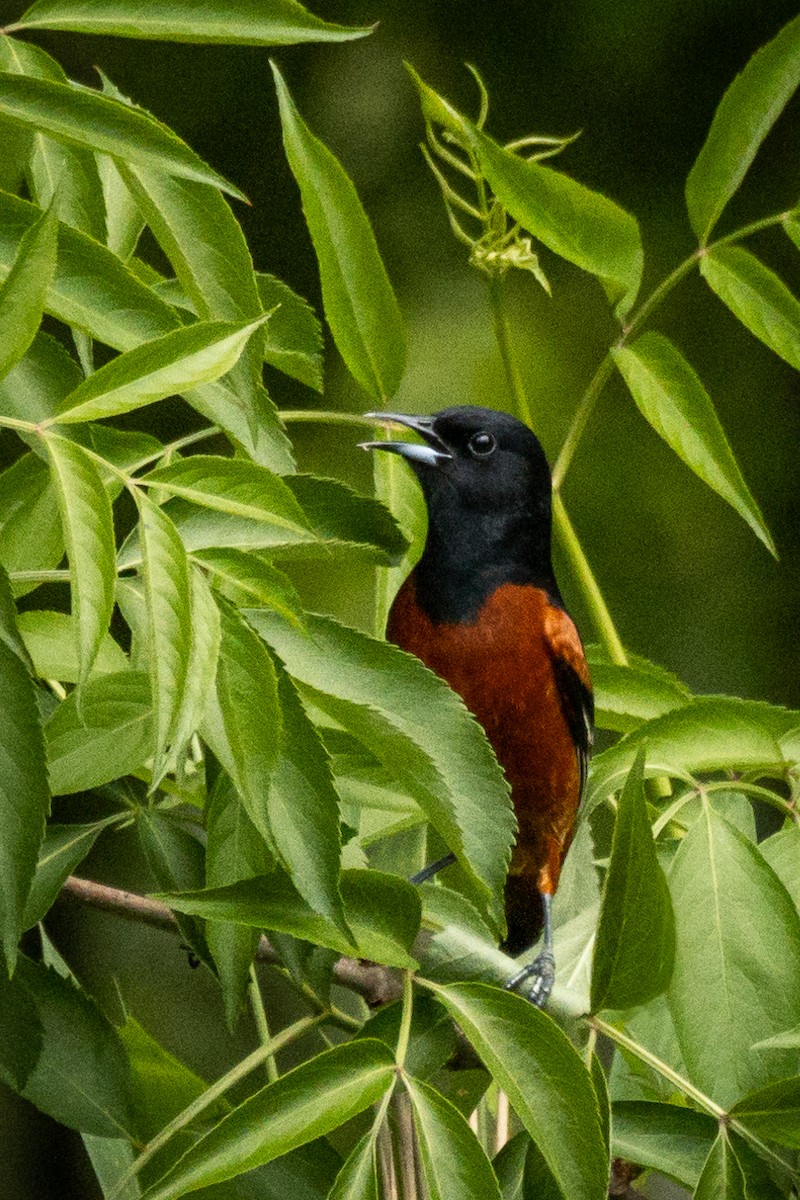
543	973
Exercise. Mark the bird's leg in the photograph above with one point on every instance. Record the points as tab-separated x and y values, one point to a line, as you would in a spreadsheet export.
433	869
543	968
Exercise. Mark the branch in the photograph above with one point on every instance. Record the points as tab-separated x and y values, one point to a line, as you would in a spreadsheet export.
376	984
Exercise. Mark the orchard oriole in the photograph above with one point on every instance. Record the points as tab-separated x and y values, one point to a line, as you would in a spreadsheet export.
482	609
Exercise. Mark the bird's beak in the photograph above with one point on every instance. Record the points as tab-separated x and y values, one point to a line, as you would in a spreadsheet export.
430	455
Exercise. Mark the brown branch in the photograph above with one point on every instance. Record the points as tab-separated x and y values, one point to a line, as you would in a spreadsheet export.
376	984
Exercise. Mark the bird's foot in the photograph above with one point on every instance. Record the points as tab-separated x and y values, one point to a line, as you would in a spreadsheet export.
542	971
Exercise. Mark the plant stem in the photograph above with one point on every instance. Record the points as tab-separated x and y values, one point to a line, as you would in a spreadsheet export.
658	1065
590	589
212	1094
298	416
580	420
563	526
262	1024
405	1023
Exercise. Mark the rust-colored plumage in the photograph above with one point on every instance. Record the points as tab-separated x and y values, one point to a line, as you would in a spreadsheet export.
482	609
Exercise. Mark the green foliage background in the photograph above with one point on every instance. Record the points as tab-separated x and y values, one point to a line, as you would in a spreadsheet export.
687	583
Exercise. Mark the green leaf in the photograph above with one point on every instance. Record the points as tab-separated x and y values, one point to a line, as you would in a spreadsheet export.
721	1177
24	792
735	927
63	848
454	1162
294	334
244	728
307	1103
746	113
50	640
110	1159
83	117
235	851
635	946
21	1043
671	397
665	1137
247	580
790	1040
23	294
110	736
343	517
30	530
757	296
92	289
551	1091
88	528
580	225
57	174
162	1086
174	363
383	912
384	697
626	696
791	227
782	852
360	305
358	1178
227	22
166	579
177	862
772	1113
81	1077
303	809
202	665
711	733
233	486
34	388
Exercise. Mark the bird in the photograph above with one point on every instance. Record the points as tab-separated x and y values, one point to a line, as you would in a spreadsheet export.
482	609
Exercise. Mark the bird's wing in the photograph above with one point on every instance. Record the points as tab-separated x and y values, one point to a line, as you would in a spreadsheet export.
573	683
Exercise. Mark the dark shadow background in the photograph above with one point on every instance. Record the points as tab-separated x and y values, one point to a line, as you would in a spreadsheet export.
688	584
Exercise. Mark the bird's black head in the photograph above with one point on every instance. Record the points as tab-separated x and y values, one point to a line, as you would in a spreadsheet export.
487	488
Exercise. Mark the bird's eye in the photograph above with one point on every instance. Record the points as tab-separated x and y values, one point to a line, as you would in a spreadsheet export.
481	445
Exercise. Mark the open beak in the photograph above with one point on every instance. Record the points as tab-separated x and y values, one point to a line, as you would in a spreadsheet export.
430	455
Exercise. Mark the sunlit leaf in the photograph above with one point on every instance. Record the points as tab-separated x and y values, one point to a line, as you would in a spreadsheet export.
110	736
175	363
50	640
635	945
310	1101
782	852
233	486
24	292
294	334
58	174
626	696
757	296
546	1082
166	579
359	302
30	529
672	398
746	113
250	581
227	22
580	225
82	117
88	528
710	733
